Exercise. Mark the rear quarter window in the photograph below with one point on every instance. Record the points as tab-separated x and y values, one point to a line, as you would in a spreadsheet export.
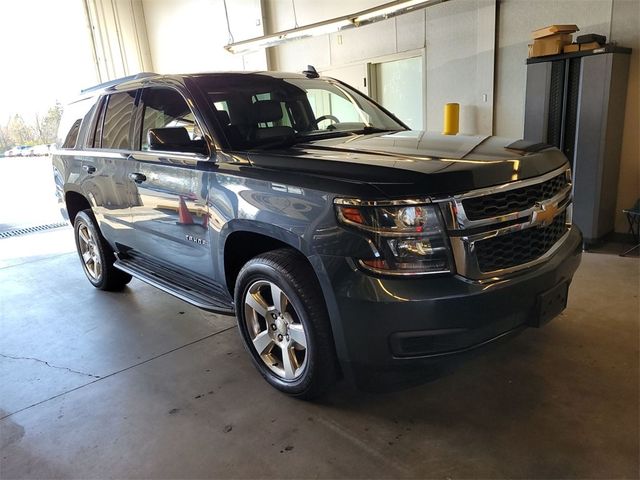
72	119
72	137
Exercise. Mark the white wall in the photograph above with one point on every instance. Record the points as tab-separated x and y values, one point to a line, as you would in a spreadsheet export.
190	35
458	37
460	42
119	37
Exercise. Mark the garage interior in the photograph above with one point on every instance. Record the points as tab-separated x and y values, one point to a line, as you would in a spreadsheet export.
140	384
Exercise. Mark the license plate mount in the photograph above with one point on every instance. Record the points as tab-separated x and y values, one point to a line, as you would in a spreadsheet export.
550	304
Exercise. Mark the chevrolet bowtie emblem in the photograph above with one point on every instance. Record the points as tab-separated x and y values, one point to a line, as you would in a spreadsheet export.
544	213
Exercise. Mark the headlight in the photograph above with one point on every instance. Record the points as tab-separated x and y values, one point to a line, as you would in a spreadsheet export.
409	236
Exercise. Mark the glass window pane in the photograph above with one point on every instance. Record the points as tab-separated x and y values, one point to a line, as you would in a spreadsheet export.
221	106
117	122
400	90
96	129
166	108
258	110
72	121
72	136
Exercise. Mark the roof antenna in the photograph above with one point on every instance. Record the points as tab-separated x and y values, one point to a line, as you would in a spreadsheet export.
310	72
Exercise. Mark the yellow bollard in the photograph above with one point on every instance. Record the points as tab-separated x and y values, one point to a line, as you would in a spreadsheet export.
451	119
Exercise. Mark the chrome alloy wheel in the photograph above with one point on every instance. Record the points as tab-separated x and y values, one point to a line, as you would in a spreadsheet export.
275	329
89	252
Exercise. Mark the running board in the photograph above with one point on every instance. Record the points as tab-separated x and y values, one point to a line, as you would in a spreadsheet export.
194	290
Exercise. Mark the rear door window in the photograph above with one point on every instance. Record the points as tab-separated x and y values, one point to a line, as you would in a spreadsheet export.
116	129
95	134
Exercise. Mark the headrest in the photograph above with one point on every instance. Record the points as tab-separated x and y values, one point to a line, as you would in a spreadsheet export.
168	136
267	111
223	117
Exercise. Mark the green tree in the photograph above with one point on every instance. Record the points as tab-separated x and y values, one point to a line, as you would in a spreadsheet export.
20	133
47	127
5	141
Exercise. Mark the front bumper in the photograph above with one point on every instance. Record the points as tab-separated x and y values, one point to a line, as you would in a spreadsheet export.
390	328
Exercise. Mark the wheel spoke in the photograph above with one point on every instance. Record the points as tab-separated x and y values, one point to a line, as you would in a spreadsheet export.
262	342
297	334
279	298
256	302
82	233
290	363
91	268
86	256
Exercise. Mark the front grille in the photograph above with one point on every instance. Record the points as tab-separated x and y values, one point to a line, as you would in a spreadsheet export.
519	247
515	200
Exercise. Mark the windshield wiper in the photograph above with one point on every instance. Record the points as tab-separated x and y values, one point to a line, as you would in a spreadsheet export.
280	142
290	140
369	129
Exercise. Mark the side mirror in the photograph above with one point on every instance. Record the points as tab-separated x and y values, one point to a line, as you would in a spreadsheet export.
174	139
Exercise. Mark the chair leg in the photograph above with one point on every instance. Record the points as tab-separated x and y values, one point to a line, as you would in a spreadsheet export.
632	230
630	250
635	234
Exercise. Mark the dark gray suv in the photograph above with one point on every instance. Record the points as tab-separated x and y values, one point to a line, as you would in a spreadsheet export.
345	243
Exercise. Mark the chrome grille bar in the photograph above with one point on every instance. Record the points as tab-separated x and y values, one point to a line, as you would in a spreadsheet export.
464	234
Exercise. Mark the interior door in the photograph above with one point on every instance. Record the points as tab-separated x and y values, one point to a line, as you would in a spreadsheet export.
169	211
400	89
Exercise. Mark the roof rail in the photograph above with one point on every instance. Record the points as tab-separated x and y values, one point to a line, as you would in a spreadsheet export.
117	81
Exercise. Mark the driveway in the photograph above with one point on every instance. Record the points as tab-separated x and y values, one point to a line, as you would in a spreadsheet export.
27	193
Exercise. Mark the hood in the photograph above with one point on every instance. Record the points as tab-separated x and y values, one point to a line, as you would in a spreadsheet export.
410	163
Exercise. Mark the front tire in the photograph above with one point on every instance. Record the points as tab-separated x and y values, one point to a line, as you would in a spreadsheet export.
284	323
96	255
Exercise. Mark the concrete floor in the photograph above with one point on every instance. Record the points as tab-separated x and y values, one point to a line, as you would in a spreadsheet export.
140	384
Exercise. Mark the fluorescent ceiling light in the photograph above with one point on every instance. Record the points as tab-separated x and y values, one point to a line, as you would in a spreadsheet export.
388	10
364	17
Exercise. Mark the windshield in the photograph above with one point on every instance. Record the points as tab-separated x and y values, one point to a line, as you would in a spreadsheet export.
258	110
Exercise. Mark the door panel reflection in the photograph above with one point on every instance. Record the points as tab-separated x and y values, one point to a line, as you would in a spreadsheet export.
170	216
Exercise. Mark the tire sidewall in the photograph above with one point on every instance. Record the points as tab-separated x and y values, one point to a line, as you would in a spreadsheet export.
251	273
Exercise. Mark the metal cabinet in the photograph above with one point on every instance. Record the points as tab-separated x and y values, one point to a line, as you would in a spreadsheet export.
576	103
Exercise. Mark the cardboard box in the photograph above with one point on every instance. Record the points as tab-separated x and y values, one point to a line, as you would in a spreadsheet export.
547	48
553	30
552	45
589	46
571	48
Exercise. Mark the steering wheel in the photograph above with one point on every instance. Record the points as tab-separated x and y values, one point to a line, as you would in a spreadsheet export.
327	117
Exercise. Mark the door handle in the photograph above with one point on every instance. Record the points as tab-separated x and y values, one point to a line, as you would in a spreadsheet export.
137	177
90	169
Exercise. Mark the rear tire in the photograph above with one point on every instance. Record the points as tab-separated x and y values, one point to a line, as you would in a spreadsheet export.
283	321
96	255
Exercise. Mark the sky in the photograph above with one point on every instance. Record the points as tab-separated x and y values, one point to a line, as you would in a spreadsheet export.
45	55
